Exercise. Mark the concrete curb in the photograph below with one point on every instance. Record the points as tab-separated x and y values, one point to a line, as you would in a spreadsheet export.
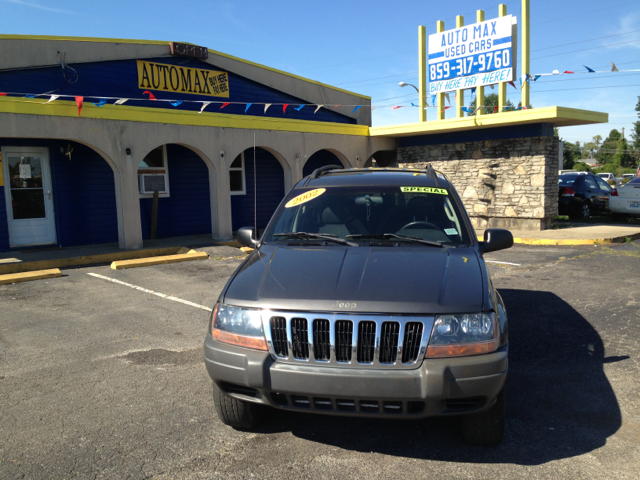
572	241
28	276
146	262
18	267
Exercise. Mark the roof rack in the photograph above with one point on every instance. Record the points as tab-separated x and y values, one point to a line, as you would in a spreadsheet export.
431	173
318	172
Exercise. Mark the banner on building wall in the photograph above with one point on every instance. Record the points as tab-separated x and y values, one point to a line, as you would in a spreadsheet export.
479	54
179	79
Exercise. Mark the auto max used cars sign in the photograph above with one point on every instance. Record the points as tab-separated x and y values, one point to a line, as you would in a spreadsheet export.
479	54
179	79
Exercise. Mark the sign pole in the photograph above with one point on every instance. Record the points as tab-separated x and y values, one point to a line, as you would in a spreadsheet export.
480	90
502	86
459	93
422	82
525	52
440	96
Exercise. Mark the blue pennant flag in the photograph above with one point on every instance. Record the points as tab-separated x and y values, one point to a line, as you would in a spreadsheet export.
506	108
176	103
473	92
29	95
589	69
536	77
414	105
519	108
299	108
433	99
247	107
465	109
102	103
357	107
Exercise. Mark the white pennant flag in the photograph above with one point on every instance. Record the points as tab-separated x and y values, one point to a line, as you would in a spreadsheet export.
53	97
317	108
121	101
448	99
266	106
204	105
373	108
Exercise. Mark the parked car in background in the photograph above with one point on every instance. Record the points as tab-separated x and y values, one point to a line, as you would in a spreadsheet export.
628	176
627	202
582	195
607	176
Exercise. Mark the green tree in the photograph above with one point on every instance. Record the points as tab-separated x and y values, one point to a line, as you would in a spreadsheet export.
621	156
635	133
490	104
609	147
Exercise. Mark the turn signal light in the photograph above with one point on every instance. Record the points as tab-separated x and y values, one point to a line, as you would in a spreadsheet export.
436	351
614	192
568	192
240	340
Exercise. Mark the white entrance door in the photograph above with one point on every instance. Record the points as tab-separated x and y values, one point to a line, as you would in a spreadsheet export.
28	194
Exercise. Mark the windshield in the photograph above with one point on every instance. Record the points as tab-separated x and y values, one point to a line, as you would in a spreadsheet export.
359	214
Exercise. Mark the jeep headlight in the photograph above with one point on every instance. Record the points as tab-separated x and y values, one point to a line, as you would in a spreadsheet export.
238	326
466	334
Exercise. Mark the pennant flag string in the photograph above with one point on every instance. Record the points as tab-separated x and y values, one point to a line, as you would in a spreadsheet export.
79	102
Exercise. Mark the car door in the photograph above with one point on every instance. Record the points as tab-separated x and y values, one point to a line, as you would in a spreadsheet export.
592	192
605	192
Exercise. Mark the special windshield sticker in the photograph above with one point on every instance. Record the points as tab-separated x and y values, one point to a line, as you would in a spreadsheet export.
305	197
450	231
439	191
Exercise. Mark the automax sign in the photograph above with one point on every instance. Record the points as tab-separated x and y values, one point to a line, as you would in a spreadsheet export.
179	79
472	56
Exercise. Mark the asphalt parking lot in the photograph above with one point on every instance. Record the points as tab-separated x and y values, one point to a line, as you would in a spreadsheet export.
102	380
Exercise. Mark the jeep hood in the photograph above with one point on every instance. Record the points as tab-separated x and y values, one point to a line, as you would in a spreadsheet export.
402	280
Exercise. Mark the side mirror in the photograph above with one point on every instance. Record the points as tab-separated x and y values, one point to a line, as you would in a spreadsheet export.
496	239
246	237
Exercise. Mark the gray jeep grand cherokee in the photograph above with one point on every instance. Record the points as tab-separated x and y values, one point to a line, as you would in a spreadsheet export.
367	295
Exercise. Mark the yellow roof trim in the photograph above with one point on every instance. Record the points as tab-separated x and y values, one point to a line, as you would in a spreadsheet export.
559	116
160	42
66	108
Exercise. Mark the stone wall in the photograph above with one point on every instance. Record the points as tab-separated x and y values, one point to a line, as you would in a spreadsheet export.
508	183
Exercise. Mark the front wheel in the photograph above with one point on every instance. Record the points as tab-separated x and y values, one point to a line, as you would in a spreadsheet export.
583	213
235	413
487	428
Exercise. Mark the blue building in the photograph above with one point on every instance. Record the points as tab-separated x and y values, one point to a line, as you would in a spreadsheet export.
91	128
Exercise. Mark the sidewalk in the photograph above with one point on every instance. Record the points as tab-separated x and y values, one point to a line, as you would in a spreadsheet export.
578	235
55	257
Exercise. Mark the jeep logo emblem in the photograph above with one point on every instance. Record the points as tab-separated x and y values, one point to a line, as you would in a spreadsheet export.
346	305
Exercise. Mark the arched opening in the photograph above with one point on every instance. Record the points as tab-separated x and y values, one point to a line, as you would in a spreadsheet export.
269	187
383	158
72	197
181	178
320	159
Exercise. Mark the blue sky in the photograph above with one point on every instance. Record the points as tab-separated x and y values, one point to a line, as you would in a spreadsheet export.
368	46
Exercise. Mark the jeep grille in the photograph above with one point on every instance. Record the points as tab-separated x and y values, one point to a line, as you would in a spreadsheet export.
355	341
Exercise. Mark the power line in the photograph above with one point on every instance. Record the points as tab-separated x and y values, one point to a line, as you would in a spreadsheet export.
586	40
584	49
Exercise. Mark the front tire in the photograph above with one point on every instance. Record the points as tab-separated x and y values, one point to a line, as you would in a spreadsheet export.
583	212
487	428
236	413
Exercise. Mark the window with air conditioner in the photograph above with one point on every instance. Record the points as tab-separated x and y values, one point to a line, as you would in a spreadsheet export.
237	182
153	173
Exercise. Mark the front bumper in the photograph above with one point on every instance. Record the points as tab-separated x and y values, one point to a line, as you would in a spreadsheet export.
438	387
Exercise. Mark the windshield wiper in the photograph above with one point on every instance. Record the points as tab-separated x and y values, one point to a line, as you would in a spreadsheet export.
321	236
393	235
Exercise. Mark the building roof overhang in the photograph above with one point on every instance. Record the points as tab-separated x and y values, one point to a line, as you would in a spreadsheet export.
558	116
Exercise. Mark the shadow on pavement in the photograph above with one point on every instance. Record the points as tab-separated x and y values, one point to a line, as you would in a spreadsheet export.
559	402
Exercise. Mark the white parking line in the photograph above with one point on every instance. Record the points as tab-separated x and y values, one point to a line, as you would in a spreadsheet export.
145	290
502	263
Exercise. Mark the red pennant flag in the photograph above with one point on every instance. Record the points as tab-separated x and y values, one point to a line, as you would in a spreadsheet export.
446	107
224	105
495	109
513	85
284	108
395	108
151	95
2	94
567	71
79	102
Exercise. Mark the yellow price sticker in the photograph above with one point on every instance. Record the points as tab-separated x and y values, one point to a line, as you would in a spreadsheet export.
305	197
439	191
